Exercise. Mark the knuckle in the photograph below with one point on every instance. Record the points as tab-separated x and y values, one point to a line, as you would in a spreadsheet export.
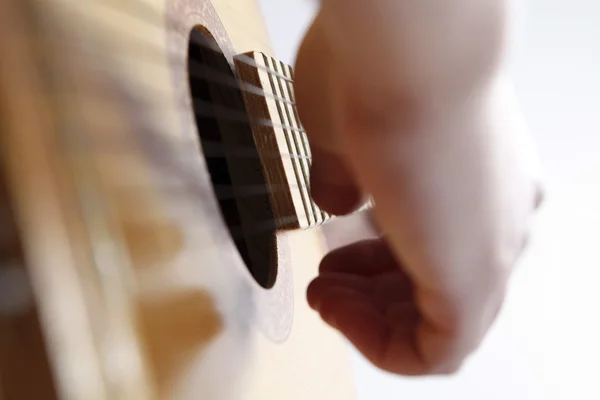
453	369
540	195
446	369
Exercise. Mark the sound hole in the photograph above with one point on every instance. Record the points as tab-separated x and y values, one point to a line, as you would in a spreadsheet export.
231	157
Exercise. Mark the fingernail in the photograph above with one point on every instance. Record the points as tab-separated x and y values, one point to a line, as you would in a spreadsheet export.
332	185
331	321
314	301
315	305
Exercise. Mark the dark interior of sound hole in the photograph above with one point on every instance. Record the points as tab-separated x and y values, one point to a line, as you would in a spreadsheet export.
218	103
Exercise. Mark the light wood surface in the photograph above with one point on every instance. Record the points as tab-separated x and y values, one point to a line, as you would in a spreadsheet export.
139	289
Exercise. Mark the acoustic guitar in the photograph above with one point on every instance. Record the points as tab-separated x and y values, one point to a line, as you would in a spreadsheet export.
158	232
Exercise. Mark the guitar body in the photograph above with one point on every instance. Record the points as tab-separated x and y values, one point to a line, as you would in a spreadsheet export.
126	279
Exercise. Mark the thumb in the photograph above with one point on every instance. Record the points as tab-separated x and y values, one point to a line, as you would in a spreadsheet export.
332	184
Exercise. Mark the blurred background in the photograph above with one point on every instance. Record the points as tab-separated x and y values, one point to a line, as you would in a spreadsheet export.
546	343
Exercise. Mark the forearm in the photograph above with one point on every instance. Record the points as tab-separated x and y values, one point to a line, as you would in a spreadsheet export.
408	97
428	50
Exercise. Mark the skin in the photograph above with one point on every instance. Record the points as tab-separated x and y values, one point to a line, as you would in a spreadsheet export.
406	101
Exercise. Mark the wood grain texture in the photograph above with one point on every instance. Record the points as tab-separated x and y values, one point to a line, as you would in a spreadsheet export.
140	290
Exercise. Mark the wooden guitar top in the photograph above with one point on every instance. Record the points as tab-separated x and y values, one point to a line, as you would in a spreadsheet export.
134	286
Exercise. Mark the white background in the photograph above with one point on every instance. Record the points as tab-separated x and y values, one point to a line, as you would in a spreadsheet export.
546	344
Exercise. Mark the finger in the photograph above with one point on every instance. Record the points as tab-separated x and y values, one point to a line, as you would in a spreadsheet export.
448	334
384	290
332	185
388	344
323	285
357	318
368	258
392	289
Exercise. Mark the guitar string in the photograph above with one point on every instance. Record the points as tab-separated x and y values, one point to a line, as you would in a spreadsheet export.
234	83
201	108
210	149
246	231
240	232
220	149
229	234
276	222
224	192
195	69
240	191
225	114
240	117
156	13
170	26
215	149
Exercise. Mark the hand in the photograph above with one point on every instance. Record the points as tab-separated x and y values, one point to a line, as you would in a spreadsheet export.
405	101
